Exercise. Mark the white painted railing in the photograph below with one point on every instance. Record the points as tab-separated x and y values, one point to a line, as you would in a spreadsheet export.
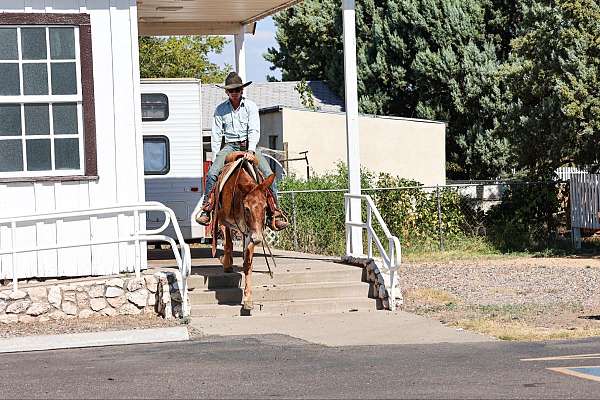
390	257
182	255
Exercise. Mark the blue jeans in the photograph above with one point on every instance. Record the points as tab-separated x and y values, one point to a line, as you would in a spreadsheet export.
219	162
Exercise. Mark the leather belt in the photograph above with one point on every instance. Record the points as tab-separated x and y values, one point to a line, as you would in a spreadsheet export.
243	144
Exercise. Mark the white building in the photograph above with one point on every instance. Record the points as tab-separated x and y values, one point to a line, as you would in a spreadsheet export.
70	120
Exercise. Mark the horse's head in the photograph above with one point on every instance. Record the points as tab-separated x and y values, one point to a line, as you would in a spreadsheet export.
255	207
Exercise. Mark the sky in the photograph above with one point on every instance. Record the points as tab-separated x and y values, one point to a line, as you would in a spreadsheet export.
257	68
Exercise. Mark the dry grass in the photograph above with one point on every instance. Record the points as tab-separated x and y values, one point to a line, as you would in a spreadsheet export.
524	322
522	331
431	296
455	255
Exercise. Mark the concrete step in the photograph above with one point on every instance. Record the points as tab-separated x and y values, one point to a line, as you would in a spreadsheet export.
236	279
295	307
319	290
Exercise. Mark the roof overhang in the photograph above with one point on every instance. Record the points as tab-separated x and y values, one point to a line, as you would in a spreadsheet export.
204	17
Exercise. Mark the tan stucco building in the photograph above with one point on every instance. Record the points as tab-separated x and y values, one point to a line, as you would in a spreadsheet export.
409	148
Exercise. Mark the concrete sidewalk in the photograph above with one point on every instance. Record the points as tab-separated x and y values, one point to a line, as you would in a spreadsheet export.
93	339
342	329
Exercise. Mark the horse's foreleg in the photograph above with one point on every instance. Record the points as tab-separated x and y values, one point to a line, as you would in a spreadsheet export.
227	258
248	256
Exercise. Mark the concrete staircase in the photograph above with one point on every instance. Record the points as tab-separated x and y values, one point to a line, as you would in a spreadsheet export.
299	286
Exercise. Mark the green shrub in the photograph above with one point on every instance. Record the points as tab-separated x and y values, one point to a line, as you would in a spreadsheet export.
319	216
412	213
526	218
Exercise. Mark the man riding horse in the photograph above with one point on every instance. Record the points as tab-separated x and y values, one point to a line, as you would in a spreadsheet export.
236	120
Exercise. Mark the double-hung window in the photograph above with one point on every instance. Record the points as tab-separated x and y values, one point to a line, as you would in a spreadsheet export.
42	100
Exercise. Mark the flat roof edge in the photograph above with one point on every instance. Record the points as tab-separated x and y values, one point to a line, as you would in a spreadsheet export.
170	80
280	108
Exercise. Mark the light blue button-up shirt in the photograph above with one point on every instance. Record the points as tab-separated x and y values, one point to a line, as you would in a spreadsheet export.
236	125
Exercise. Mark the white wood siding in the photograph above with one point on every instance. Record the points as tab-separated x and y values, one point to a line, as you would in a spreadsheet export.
119	155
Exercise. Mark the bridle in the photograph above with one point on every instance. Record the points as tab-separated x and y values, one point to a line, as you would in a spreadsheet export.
244	232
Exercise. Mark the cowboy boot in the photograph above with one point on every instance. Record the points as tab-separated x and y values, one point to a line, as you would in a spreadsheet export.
276	220
205	216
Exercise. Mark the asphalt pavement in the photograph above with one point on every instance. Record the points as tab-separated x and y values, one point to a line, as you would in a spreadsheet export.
279	366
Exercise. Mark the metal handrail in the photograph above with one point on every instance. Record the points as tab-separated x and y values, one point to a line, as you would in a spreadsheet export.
391	256
182	256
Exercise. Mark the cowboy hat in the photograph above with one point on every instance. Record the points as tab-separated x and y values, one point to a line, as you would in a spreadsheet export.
233	81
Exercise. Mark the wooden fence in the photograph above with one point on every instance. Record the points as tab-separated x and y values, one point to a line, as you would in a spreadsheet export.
585	204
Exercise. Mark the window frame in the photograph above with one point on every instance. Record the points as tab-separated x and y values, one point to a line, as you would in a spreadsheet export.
168	111
85	95
165	139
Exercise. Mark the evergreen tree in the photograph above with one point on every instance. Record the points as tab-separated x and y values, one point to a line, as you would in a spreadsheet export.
434	59
554	78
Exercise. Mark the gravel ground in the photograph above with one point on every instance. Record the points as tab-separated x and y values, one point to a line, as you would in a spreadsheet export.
512	298
553	294
510	281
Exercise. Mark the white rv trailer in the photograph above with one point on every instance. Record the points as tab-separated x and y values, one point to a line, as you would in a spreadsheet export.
174	151
173	159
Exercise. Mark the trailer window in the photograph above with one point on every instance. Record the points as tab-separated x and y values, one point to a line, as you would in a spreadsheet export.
156	155
155	107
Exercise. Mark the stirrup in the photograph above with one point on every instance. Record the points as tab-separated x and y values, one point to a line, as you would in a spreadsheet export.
203	218
274	221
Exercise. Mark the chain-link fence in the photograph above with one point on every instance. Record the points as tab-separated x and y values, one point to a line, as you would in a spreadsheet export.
482	217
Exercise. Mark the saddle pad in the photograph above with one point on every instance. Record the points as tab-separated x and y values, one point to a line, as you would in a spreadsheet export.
231	168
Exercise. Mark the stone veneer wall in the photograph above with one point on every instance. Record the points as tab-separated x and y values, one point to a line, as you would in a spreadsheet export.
376	280
158	293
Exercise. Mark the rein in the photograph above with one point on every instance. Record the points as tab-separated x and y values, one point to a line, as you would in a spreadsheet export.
265	255
243	232
233	199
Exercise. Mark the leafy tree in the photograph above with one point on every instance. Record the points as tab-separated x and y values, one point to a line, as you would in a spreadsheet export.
434	59
306	95
181	57
554	78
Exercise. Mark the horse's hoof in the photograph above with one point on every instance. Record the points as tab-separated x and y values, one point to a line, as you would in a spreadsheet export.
248	305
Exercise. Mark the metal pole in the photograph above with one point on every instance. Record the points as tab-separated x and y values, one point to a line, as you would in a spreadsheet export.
295	231
307	164
352	131
240	53
439	208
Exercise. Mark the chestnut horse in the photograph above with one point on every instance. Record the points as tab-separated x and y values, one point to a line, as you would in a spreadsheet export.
243	205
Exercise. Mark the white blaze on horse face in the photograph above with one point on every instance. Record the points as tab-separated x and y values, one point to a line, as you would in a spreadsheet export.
254	217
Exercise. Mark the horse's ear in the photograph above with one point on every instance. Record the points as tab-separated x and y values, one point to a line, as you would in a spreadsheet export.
264	185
